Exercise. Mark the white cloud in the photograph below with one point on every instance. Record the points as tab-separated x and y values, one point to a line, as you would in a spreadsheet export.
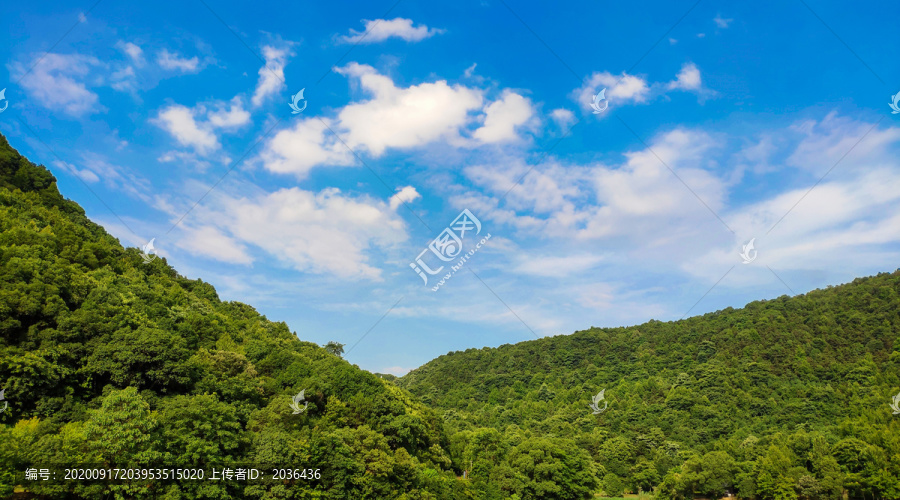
645	186
123	79
96	168
822	143
395	117
196	127
213	243
183	158
722	22
85	174
271	75
403	118
687	79
57	82
133	51
563	117
298	149
556	266
638	200
235	116
842	224
321	233
179	121
407	194
380	30
398	371
619	89
502	117
172	61
631	89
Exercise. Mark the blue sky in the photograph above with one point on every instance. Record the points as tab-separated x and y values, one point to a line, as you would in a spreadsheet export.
725	123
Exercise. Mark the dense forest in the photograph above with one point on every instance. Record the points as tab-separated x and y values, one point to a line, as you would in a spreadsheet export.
111	362
783	399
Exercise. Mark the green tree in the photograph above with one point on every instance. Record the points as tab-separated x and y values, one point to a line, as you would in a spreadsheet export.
335	348
120	432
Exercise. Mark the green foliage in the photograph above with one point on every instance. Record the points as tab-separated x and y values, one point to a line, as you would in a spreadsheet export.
109	361
335	348
786	398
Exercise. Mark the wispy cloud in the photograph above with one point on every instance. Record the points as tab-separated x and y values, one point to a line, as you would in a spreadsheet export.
60	82
721	22
271	75
379	30
173	62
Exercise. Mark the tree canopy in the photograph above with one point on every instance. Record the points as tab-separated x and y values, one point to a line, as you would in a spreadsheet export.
110	361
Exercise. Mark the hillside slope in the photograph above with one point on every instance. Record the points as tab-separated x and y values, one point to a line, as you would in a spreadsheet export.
784	398
109	361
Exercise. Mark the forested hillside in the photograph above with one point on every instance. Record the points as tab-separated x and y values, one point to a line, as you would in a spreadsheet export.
109	361
788	398
112	362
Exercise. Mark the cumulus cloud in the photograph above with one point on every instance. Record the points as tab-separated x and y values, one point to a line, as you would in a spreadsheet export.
623	88
195	127
406	194
379	30
271	75
392	118
180	123
398	117
563	117
234	116
502	117
846	225
298	149
586	202
323	232
631	89
687	79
